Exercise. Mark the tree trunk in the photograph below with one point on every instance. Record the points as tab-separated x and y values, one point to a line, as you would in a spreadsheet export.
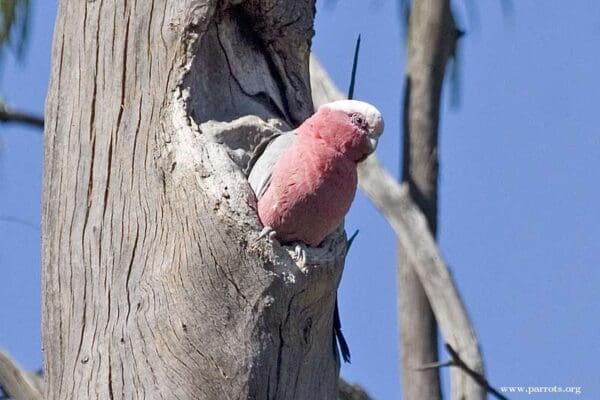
153	283
431	40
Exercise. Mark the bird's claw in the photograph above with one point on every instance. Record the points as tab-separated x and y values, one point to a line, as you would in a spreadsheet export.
299	254
267	233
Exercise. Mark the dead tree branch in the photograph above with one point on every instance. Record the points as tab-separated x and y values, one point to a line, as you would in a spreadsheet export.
9	115
479	378
456	361
408	221
15	382
431	42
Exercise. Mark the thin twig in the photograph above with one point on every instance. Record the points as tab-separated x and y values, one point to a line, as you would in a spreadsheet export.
8	115
456	361
480	379
435	365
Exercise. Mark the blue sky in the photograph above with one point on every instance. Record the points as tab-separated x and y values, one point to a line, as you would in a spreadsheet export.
519	190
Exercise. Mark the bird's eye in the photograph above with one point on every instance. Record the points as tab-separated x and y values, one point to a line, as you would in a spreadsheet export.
358	120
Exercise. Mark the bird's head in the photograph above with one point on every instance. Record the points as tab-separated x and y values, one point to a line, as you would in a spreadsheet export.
351	127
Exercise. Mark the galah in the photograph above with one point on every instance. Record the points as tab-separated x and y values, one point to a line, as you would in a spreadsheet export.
305	180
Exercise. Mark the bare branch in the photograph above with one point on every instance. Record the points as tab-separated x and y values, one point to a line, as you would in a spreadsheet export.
15	382
409	223
479	378
435	365
431	40
456	361
8	115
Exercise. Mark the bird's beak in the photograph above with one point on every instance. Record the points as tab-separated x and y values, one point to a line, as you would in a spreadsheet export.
375	130
373	143
377	127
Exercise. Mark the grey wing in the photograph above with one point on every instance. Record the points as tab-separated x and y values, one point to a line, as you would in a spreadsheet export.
260	174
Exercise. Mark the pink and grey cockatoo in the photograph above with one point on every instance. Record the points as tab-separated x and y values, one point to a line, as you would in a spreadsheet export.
305	180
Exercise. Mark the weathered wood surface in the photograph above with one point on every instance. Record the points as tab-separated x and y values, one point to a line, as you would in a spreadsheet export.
153	285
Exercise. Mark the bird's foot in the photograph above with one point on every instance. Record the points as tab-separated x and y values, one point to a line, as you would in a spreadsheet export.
299	254
267	233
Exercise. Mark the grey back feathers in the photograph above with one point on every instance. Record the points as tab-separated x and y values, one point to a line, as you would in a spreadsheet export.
260	175
259	179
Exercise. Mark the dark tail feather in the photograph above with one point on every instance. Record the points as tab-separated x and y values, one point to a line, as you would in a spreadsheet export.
337	329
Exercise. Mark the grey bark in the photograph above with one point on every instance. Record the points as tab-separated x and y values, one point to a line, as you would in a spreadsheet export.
19	384
153	283
431	40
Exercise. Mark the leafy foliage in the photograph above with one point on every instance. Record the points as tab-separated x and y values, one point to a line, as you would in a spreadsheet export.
14	23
